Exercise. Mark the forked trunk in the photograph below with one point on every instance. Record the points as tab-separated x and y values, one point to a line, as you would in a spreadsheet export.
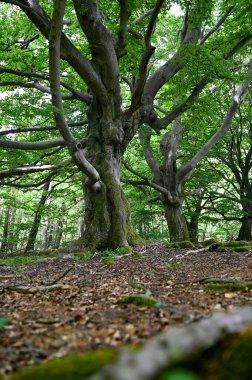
176	223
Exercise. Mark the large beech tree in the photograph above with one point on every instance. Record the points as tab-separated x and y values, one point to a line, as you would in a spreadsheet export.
99	53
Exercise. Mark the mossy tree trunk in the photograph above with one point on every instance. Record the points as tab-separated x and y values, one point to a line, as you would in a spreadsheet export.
107	215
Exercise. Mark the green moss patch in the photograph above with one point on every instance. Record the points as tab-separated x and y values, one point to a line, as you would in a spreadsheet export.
75	367
208	242
108	260
228	287
236	243
20	260
181	244
138	256
137	300
229	359
176	265
243	248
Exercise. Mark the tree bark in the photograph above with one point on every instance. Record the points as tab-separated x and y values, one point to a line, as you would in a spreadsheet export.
37	218
176	223
245	232
107	215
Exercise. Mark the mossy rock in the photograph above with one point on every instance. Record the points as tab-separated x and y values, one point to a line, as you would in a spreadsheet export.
228	287
243	248
74	367
137	300
181	244
208	242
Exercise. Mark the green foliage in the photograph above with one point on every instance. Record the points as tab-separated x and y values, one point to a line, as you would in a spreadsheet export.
137	300
77	367
3	322
181	244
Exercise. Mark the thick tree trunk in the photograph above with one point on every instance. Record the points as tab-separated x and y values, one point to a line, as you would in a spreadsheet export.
176	223
245	232
107	216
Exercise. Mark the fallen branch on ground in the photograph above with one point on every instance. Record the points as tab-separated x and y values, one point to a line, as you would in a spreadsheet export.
178	343
37	289
57	279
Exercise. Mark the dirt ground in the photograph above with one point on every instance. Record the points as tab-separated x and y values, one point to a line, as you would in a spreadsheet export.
83	314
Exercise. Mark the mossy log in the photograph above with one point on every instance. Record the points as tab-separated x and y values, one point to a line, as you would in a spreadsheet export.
175	346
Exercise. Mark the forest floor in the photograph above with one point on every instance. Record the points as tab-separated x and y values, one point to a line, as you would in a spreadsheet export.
83	313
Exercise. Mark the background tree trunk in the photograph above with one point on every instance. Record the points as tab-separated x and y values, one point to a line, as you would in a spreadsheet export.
245	232
177	226
37	218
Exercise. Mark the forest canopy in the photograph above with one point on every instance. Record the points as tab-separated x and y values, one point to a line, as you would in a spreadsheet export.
124	120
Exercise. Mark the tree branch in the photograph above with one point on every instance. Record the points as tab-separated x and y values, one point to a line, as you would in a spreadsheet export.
101	43
39	129
149	50
123	28
35	145
217	26
68	51
178	60
85	97
186	170
74	147
27	170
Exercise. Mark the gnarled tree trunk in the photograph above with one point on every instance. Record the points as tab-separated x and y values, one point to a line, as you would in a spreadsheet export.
107	215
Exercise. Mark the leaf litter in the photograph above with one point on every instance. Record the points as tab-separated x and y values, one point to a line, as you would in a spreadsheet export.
80	312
